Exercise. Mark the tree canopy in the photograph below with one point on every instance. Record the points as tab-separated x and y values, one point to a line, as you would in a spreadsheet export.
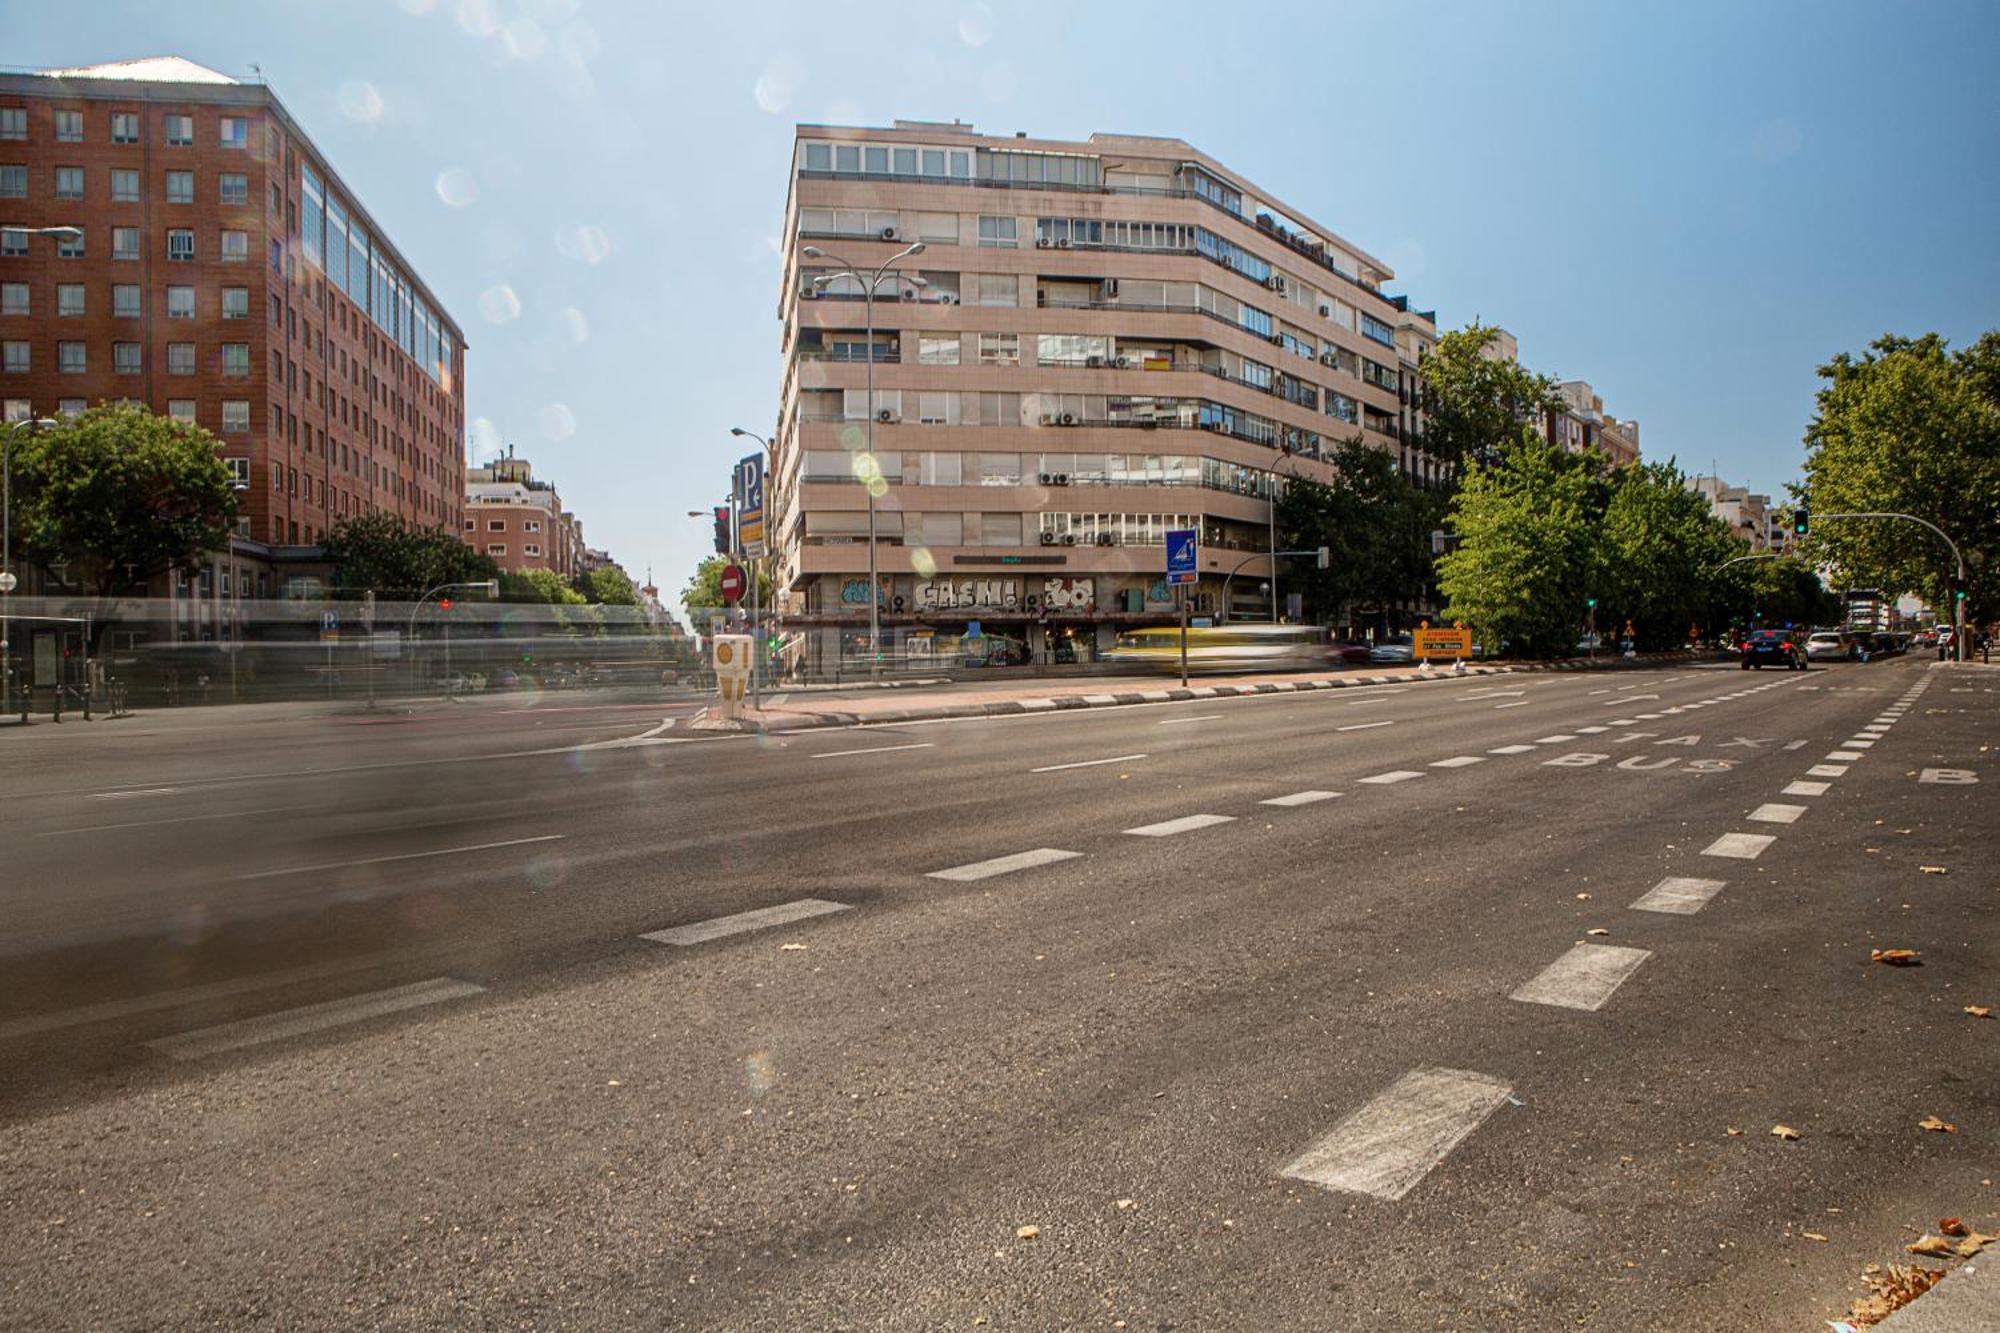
121	495
1911	427
1376	525
1476	403
704	589
381	552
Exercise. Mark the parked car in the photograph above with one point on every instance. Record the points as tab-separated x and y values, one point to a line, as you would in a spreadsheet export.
1342	652
1889	645
1395	648
1831	645
1773	647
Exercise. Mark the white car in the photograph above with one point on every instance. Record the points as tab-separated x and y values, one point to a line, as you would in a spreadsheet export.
1395	648
1829	646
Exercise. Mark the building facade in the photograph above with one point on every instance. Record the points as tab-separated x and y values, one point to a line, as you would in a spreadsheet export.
1578	422
1111	339
225	275
1751	517
518	519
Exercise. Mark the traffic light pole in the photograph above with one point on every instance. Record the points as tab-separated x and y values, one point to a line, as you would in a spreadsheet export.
1959	586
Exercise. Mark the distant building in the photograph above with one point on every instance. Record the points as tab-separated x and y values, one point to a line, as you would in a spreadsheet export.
1580	421
518	519
1750	516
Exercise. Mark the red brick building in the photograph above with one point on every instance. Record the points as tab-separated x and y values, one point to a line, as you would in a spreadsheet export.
227	274
517	518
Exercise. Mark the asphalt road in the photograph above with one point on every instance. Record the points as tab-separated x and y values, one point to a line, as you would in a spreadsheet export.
1321	1011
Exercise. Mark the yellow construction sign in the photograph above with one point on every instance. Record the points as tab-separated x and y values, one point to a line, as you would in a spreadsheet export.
1427	643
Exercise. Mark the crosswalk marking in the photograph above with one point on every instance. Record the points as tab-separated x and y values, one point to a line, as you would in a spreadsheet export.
1583	978
1400	1135
1844	756
1803	788
1185	824
1001	865
1741	846
1772	813
1679	895
1827	771
700	932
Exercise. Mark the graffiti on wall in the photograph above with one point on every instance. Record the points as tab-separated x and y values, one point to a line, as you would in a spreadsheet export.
1069	594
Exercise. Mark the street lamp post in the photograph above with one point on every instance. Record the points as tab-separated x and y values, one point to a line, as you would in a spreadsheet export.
492	587
1958	603
8	581
868	286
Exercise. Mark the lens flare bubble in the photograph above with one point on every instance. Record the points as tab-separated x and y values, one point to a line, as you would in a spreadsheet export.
778	84
524	39
576	324
457	188
852	438
584	241
557	421
975	25
500	305
922	561
878	487
475	17
360	100
760	1072
484	439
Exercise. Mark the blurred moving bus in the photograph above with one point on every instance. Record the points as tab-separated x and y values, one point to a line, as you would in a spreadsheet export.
1225	647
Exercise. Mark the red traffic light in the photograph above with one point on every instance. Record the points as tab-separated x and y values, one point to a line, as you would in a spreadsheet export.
444	603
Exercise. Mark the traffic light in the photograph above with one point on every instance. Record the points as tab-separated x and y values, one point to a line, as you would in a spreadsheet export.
1326	557
444	603
1958	590
722	542
1801	521
1590	602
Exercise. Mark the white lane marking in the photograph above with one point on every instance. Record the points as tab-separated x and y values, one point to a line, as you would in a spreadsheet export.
1605	690
1510	749
1796	745
1364	726
1088	763
138	791
1803	788
1553	740
1773	813
1859	742
1583	978
1623	721
1519	703
700	932
1651	717
1740	846
1459	761
1176	721
1185	824
176	819
1001	865
1301	798
1827	771
1591	731
1390	1144
1400	775
402	856
1491	694
877	749
311	1018
1844	756
1679	895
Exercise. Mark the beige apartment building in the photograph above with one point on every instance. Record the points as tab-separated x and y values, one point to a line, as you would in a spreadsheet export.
1750	517
517	518
1100	342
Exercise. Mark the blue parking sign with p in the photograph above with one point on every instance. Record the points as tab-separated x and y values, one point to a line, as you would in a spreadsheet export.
1183	555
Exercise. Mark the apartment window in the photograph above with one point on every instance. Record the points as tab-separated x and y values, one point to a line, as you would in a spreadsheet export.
235	247
180	187
17	409
999	349
72	358
13	242
13	298
180	358
236	360
496	525
69	182
180	303
13	182
235	132
937	349
124	127
124	186
236	303
125	358
999	289
14	356
998	233
235	188
943	529
531	549
180	130
239	468
496	548
70	245
532	525
181	409
69	127
69	298
999	529
70	407
13	122
236	419
180	246
125	300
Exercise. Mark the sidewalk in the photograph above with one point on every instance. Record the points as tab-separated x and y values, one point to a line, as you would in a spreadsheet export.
1967	1298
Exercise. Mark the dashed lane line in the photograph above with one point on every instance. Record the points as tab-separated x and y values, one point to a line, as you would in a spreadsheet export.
401	856
1301	798
1365	726
1804	788
873	749
1177	721
1844	756
1583	978
311	1018
1510	749
1003	865
1519	703
1772	812
700	932
1185	824
1088	763
1385	1148
1459	761
1739	846
1553	740
1387	779
1679	895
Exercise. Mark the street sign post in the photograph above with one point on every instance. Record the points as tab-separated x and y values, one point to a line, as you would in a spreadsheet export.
749	496
1183	569
731	584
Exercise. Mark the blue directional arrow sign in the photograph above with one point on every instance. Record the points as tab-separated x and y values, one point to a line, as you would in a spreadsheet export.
1183	555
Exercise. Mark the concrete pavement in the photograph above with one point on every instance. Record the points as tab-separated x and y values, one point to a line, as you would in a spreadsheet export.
1246	1055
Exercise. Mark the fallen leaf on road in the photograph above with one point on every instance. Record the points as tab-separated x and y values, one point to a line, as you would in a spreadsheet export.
1598	930
1935	1247
1952	1226
1027	1233
1932	870
1892	1290
792	948
1783	1132
1979	1010
1813	1235
1974	1243
1734	1132
1583	897
1936	1125
1127	1204
1896	957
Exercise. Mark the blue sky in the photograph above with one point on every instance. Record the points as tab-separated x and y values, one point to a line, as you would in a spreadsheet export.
1690	205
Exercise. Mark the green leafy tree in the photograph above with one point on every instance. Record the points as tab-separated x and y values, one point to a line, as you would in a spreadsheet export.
1376	525
121	496
1659	548
704	589
1909	427
1474	402
381	552
607	585
1528	553
569	614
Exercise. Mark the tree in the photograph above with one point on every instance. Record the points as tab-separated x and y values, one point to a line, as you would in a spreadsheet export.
1909	427
607	585
1659	548
704	588
1376	525
568	612
1475	403
381	552
121	495
1528	552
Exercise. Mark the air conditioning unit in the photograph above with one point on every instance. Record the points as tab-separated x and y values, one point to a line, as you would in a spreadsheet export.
1094	362
1326	312
1275	283
947	298
1048	419
1061	478
1048	539
1328	359
1063	244
1069	419
1043	243
811	293
1277	340
889	233
1106	539
1122	362
1069	539
1047	478
885	415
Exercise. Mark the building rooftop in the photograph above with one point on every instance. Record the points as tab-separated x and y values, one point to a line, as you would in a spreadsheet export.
146	69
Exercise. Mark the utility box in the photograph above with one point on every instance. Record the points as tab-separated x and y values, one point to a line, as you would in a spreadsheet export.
731	655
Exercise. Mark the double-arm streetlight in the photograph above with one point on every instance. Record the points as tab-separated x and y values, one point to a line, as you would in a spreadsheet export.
7	579
870	280
492	587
